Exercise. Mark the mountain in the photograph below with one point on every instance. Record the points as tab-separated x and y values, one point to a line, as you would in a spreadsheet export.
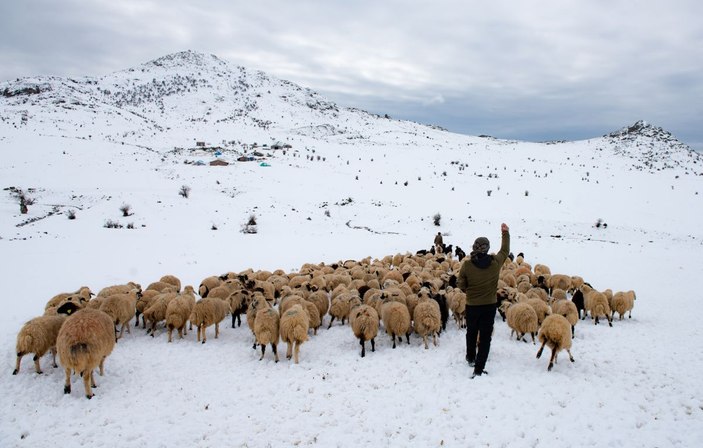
188	96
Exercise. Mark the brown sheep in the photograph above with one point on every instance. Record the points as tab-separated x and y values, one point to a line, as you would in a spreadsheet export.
364	322
294	327
38	336
206	312
556	335
84	341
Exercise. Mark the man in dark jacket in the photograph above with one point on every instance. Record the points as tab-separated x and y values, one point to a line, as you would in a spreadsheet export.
438	243
478	278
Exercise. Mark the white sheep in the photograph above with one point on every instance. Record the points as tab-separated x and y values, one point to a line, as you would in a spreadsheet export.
84	341
596	304
177	312
206	312
521	318
173	280
55	301
121	308
119	289
38	336
541	308
568	309
556	335
267	327
294	325
364	322
157	310
396	319
427	317
623	302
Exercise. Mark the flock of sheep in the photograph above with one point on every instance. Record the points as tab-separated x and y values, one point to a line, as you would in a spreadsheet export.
403	293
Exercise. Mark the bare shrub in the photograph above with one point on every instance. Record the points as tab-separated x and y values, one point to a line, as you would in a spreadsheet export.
184	191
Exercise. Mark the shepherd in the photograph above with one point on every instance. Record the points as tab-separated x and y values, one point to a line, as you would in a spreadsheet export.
478	279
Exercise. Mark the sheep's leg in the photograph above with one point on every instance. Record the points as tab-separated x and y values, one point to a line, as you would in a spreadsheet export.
102	366
17	364
330	325
424	340
234	318
67	383
393	337
217	329
610	322
407	336
533	338
571	357
53	357
573	335
263	350
363	346
275	351
373	345
128	329
87	379
289	350
204	330
170	333
434	339
539	352
552	359
136	322
37	367
296	351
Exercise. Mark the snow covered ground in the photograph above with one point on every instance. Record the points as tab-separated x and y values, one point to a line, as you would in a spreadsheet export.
635	384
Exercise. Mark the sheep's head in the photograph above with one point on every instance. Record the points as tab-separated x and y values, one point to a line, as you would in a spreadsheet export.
70	305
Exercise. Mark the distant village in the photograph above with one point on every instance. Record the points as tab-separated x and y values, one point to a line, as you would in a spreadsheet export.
230	151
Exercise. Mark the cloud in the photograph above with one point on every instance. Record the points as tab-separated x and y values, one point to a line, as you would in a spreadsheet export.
514	67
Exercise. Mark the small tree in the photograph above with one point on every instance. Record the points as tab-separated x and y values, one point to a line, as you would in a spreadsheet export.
436	219
250	226
22	199
125	208
71	214
184	191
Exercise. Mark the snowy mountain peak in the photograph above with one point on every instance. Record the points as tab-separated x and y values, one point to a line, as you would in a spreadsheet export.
186	58
651	147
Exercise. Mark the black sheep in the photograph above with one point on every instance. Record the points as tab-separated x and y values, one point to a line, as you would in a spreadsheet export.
441	299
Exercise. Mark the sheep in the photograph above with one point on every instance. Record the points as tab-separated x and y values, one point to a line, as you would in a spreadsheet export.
321	301
341	305
160	286
38	336
456	300
541	269
314	314
558	294
427	317
441	299
254	305
559	281
567	309
396	319
173	280
238	304
364	322
266	327
576	283
157	310
207	284
121	308
55	301
294	327
541	308
623	302
143	303
177	312
538	293
118	289
580	302
85	339
206	312
521	318
596	304
555	334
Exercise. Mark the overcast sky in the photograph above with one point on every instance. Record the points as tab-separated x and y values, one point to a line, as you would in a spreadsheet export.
525	69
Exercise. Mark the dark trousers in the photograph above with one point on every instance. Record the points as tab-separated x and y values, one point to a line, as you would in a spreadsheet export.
479	320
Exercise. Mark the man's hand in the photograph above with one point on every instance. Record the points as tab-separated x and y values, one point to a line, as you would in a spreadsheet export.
504	227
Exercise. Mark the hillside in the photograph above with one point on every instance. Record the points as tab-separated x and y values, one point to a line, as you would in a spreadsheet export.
327	184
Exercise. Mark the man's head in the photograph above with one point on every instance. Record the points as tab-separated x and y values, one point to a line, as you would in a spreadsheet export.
481	245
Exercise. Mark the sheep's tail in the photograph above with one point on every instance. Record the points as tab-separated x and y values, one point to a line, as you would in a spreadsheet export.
24	343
